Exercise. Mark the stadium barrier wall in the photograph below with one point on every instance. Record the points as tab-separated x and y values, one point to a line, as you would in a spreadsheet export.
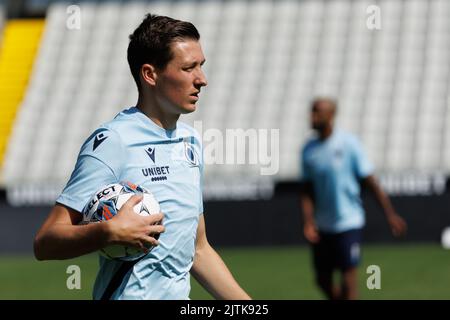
260	223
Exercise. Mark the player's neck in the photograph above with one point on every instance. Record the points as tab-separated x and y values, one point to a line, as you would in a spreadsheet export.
153	111
326	133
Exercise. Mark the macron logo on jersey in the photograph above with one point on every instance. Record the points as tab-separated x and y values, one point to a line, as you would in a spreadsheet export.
151	153
98	140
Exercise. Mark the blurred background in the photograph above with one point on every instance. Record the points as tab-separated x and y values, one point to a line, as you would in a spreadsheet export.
63	72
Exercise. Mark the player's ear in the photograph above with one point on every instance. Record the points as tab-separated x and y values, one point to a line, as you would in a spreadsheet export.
148	74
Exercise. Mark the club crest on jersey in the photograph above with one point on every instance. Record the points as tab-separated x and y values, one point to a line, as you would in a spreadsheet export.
191	154
338	157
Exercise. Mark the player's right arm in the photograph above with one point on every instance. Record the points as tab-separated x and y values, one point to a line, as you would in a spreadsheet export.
99	163
306	203
61	236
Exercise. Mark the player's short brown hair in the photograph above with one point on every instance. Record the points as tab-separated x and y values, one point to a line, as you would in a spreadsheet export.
150	42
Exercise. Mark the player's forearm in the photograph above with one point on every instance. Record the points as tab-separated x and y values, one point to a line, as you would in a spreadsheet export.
212	273
385	203
307	209
63	241
380	196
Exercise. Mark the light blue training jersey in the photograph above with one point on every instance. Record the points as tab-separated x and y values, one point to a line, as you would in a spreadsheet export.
335	166
133	148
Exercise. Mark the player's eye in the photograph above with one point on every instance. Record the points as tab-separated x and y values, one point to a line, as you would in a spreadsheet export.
189	68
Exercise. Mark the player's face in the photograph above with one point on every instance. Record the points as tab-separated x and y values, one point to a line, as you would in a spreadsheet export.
179	84
321	115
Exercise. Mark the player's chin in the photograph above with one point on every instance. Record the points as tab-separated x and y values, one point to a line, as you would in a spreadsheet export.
188	107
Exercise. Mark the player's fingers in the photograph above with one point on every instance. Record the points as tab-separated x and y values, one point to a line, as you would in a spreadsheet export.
143	246
403	228
154	218
134	200
395	232
402	225
395	229
156	229
312	236
399	229
307	236
137	244
149	240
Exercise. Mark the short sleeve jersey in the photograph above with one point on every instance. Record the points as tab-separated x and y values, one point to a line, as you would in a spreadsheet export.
334	167
133	148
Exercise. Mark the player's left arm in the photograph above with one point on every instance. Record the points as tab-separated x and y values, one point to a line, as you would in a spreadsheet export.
396	222
211	272
364	171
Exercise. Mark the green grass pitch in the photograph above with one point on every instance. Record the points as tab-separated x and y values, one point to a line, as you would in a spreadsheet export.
408	271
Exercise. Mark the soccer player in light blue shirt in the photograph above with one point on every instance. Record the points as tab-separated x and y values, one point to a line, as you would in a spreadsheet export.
333	164
146	145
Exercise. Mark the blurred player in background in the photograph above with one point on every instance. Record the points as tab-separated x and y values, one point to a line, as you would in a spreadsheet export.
333	165
146	145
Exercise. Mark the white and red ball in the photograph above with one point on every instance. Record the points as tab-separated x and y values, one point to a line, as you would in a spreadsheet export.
106	203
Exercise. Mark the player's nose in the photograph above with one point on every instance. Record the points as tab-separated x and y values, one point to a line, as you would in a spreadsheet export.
200	79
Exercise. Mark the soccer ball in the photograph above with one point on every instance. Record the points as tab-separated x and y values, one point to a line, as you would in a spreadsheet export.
106	203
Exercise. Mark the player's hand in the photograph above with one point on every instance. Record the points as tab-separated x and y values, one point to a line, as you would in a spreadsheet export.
311	233
131	229
397	224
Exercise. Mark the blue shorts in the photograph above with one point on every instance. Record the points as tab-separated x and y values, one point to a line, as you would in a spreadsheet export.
337	250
